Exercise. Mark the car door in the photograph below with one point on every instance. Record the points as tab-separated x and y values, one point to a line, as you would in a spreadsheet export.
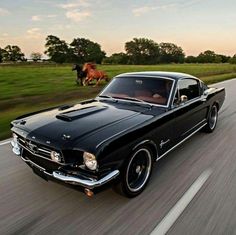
162	129
190	109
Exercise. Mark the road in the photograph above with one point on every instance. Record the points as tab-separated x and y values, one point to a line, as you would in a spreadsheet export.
29	205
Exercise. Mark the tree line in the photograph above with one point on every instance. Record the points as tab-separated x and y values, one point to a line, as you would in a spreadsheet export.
137	51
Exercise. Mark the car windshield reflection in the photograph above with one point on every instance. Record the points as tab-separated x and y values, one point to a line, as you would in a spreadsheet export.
139	89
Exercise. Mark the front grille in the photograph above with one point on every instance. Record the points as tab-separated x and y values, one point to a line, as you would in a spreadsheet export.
37	149
49	166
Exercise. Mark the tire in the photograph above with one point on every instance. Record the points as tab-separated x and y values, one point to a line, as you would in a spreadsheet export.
136	173
212	119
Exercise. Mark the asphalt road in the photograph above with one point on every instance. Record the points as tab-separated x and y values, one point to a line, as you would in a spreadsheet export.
29	205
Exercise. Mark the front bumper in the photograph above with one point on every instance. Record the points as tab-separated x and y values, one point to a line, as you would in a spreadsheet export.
87	183
83	181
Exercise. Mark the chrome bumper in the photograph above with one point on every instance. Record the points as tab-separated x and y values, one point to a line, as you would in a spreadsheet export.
87	182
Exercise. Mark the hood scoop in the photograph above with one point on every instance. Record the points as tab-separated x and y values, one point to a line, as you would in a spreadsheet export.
79	113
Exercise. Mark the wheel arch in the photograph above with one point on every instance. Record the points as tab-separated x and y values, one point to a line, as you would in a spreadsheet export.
211	105
217	105
148	143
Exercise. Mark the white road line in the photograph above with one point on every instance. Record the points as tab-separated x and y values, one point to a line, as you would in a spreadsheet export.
6	142
179	207
222	82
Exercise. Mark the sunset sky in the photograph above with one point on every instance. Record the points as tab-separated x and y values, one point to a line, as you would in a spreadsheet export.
195	25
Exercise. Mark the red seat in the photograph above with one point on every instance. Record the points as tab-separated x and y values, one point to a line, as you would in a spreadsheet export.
142	93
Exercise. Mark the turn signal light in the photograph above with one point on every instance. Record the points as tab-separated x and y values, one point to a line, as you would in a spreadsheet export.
88	192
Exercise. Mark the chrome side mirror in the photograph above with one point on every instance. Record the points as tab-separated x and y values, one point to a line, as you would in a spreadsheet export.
208	91
183	98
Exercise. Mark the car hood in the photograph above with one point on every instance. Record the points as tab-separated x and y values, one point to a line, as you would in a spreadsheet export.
81	121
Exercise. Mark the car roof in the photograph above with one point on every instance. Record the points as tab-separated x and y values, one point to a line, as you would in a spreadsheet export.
157	74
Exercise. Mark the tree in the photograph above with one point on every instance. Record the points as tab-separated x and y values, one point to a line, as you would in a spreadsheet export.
142	51
171	53
208	57
12	53
57	50
232	60
84	50
1	55
117	58
36	56
191	59
224	58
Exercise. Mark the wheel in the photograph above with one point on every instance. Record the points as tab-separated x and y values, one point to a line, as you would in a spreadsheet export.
136	173
212	119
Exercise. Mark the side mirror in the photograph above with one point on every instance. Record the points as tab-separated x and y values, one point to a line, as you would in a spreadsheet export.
208	91
183	98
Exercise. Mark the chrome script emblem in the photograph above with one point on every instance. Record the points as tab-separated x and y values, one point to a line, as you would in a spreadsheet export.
164	142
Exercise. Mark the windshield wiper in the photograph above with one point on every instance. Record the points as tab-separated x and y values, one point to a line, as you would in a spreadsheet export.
105	96
130	98
108	97
142	102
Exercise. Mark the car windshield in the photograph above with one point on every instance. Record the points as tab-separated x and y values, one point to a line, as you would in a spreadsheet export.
147	89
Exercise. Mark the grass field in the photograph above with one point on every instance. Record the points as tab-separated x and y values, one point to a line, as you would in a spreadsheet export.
28	88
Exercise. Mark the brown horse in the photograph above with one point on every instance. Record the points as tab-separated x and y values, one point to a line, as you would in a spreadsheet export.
93	74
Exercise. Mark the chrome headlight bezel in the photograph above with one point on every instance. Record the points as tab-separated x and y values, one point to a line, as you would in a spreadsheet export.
15	137
90	161
55	156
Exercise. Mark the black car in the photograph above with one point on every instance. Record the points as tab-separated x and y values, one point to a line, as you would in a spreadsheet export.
116	137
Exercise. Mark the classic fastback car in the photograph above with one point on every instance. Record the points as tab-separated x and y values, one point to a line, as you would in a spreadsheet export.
116	137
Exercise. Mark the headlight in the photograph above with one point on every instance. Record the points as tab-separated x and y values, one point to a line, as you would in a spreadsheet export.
55	156
90	161
15	137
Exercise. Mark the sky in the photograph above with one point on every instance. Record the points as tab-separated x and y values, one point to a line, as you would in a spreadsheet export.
195	25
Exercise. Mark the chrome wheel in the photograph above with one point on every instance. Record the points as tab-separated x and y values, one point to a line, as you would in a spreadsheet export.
213	117
138	170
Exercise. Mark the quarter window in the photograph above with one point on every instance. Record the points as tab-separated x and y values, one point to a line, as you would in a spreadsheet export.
203	87
189	88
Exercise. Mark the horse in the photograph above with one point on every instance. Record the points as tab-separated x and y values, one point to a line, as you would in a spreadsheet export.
80	74
93	74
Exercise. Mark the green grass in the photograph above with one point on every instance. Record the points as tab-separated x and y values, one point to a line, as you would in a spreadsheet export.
26	88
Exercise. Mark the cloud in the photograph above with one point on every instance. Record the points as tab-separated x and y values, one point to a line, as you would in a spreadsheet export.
42	17
34	33
146	9
75	4
78	16
4	12
51	16
36	18
77	10
142	10
60	27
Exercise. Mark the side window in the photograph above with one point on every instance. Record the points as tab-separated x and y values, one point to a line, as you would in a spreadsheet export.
189	88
